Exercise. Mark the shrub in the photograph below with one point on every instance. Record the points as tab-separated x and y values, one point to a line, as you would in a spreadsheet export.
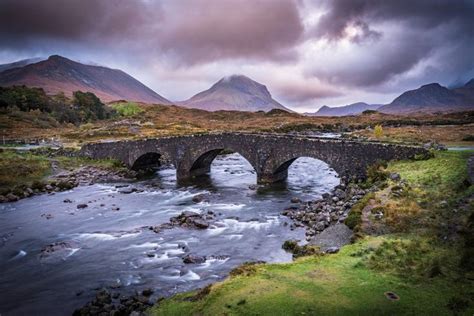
127	109
89	106
354	218
46	111
368	112
376	172
378	131
246	269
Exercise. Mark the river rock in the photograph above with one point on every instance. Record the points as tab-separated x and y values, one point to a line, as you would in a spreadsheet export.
81	206
130	190
190	220
147	292
56	251
332	250
103	297
200	223
12	197
194	259
340	194
295	200
199	198
336	235
320	226
47	216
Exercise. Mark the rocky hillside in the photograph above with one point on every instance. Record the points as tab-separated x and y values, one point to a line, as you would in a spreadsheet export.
236	92
351	109
433	98
59	74
20	63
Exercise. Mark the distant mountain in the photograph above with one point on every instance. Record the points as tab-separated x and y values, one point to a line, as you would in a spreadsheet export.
238	93
20	63
351	109
59	74
433	98
469	84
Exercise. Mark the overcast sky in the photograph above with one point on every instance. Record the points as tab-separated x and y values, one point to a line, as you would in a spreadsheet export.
308	53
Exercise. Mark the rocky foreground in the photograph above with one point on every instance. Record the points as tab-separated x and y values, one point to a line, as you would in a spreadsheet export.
333	208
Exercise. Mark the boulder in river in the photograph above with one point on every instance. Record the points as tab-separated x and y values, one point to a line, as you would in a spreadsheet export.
295	200
194	259
199	198
190	219
80	206
56	251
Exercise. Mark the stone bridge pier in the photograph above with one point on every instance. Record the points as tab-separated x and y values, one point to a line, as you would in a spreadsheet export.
270	155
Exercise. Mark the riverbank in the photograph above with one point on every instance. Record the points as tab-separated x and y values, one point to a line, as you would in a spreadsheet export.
411	255
46	171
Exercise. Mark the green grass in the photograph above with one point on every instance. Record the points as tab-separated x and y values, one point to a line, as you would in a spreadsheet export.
417	263
21	168
127	108
330	285
442	177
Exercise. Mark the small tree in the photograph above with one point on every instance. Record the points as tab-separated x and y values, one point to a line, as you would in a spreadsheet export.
378	131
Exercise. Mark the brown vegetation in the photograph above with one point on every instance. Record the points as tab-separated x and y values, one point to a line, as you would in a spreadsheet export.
160	120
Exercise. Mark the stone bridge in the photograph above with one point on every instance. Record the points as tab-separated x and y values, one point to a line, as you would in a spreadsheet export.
269	154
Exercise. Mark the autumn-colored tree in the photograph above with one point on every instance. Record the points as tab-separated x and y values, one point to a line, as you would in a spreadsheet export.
378	131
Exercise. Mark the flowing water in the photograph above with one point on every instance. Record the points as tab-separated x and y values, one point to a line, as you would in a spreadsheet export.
109	248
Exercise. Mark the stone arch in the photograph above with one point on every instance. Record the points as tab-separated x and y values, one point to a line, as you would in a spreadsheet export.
148	160
280	170
201	163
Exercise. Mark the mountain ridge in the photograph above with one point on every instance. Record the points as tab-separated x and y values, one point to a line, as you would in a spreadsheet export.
235	92
350	109
20	63
433	97
59	74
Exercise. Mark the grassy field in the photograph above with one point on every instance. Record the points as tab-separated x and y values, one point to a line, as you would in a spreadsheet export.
137	120
418	259
21	168
454	135
340	284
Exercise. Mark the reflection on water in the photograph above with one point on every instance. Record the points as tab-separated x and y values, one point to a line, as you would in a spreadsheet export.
99	246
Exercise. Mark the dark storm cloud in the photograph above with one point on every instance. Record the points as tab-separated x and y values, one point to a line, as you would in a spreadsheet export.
23	21
197	31
427	28
189	32
418	14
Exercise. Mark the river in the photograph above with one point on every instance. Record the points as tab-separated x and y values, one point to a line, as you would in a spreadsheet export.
108	247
